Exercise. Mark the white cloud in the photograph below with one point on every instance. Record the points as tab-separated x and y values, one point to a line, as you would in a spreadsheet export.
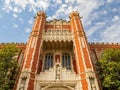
105	12
27	30
21	3
100	23
7	8
88	23
7	1
94	28
42	4
114	9
18	6
83	6
116	18
91	31
30	21
21	20
15	15
109	1
15	26
111	33
49	18
1	16
69	1
59	1
17	10
88	9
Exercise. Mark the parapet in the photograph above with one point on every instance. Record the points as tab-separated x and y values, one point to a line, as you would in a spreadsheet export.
60	21
19	45
13	43
103	43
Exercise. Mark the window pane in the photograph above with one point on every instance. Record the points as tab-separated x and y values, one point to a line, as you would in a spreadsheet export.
45	63
66	61
63	63
48	61
69	66
51	64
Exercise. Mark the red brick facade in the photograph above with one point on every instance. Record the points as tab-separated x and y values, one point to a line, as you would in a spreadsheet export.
84	57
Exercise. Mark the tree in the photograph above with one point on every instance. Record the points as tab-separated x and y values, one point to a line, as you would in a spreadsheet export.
109	69
8	65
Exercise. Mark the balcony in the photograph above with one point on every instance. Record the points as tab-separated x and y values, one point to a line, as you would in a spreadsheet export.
58	75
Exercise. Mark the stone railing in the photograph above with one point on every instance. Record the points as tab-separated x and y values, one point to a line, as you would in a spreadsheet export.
64	75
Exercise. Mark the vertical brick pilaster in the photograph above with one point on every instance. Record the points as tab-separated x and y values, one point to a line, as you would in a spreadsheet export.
32	53
75	65
39	66
78	49
82	52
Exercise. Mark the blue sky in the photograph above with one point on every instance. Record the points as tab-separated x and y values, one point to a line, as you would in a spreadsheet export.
101	18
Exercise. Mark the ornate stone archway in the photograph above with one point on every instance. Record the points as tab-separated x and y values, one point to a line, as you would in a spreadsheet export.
57	88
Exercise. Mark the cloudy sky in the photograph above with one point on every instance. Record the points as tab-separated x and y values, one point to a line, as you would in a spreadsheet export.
101	18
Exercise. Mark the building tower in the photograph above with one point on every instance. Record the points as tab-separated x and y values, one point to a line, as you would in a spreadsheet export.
57	57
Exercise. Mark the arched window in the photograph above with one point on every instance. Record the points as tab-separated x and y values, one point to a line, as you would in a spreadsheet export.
48	63
66	61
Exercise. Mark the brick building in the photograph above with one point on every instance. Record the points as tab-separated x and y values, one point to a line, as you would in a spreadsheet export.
58	56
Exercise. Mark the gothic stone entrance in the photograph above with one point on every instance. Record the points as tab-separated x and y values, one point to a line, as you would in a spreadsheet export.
57	86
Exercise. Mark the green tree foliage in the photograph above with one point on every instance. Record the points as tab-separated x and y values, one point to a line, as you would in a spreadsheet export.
8	65
109	69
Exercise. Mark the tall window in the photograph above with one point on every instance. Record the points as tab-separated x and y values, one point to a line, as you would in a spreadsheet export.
48	63
66	61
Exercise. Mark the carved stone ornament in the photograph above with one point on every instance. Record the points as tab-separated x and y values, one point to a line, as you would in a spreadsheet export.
57	35
23	80
57	72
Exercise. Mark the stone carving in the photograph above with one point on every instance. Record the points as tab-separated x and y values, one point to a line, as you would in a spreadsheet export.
90	73
22	84
23	80
57	72
57	35
91	76
92	82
